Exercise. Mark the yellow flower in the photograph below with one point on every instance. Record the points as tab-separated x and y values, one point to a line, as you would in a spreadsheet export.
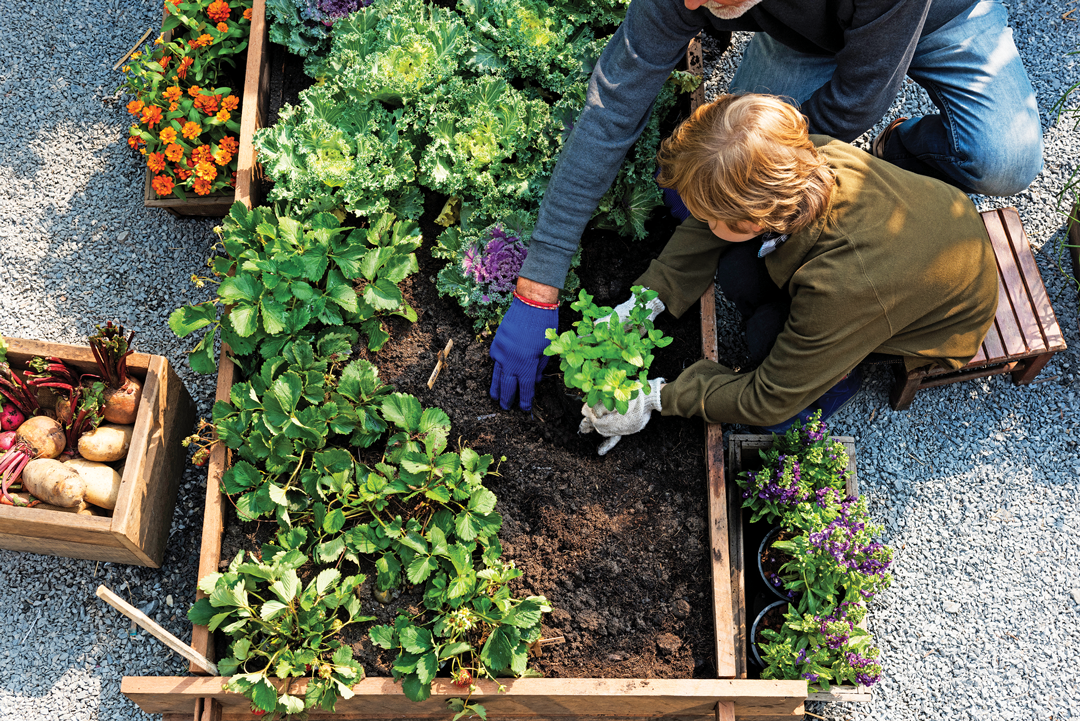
136	55
126	68
160	40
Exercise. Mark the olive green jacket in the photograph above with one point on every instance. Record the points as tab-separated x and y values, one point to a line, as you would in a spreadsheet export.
899	264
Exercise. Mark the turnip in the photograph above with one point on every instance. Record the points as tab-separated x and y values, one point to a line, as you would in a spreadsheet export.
10	417
40	436
122	392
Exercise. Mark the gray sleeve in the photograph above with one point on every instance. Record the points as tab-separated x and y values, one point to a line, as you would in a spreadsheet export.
623	86
877	51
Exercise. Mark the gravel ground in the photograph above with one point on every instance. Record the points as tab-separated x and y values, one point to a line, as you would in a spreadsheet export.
976	484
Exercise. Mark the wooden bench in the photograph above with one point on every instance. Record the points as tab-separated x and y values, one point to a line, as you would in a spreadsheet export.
1025	333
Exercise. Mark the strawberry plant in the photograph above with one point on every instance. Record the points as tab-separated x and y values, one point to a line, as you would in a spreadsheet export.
607	359
282	278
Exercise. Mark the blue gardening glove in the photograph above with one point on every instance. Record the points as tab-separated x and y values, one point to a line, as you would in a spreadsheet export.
518	352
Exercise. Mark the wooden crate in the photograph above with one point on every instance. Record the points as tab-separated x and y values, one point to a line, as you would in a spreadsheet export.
252	113
742	455
139	526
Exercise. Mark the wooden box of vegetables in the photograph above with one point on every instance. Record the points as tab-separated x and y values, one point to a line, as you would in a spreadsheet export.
143	491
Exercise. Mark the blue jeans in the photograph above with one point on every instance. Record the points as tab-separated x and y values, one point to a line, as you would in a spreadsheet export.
986	138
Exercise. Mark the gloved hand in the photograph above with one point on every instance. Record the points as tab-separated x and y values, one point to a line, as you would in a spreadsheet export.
616	425
518	352
655	306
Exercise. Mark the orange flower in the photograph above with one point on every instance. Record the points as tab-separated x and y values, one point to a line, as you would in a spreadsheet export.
162	185
222	157
201	154
206	171
156	162
218	10
223	115
207	103
191	130
202	41
230	144
202	187
173	93
134	141
168	135
164	62
173	107
181	72
230	103
173	3
174	152
247	14
151	115
194	91
182	172
135	107
223	27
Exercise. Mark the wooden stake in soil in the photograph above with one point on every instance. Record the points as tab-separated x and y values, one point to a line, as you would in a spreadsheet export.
439	363
155	630
133	48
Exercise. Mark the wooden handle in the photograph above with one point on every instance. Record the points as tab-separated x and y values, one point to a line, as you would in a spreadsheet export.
156	630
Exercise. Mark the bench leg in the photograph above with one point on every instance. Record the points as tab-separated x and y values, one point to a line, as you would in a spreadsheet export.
904	388
1031	368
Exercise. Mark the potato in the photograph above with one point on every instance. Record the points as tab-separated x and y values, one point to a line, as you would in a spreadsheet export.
54	482
44	435
83	509
102	482
108	442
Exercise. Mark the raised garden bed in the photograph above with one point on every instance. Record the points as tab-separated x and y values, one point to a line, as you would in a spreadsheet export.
139	526
750	595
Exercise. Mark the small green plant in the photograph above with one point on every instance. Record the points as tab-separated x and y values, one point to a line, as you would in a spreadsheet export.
604	357
1068	199
290	277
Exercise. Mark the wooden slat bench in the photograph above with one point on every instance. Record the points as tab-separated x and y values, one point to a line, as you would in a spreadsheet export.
1025	333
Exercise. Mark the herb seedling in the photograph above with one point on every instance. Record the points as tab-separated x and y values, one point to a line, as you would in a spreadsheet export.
605	358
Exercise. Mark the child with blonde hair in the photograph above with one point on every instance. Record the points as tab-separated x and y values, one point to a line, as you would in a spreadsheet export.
828	253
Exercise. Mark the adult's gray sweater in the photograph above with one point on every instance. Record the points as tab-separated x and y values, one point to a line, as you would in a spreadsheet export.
872	40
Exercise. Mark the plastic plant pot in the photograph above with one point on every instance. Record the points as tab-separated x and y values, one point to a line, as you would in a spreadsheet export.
780	606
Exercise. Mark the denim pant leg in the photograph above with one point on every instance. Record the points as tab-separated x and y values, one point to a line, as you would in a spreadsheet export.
764	307
773	68
987	138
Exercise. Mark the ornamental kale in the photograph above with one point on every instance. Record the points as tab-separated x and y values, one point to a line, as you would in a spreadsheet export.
824	649
496	264
303	26
607	359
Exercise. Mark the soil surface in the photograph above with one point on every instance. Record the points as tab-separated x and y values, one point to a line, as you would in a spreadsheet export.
618	543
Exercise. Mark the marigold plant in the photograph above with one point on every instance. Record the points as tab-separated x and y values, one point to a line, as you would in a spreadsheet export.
184	122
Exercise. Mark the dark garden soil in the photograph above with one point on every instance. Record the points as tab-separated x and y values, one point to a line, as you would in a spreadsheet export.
617	544
772	559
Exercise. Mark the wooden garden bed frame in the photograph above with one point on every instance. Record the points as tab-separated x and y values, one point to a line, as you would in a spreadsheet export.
139	526
728	697
252	114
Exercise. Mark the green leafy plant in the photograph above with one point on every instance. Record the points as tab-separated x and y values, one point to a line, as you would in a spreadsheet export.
282	279
1068	198
603	357
282	627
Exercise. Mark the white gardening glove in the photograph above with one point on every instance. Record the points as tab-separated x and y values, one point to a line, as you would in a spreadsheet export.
616	425
655	306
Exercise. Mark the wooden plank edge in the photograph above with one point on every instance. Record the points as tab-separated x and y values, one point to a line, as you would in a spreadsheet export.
843	694
252	115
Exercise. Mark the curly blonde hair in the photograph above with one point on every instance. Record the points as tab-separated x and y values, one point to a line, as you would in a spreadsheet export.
747	159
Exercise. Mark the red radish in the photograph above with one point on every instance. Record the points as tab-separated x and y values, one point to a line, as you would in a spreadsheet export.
7	440
10	417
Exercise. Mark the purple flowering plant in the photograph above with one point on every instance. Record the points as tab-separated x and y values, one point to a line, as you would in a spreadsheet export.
824	649
483	272
801	462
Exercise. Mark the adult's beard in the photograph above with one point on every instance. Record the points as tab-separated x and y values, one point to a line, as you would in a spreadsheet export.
729	12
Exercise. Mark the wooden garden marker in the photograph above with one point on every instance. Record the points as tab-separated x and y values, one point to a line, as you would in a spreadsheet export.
133	48
156	630
439	363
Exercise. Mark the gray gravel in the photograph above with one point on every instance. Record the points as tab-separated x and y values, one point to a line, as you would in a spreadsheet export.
976	484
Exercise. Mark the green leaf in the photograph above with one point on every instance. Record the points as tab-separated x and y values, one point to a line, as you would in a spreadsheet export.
335	521
188	319
264	695
403	411
420	568
454	649
244	319
382	295
382	636
325	579
498	648
426	668
237	288
272	609
201	358
415	689
293	704
416	639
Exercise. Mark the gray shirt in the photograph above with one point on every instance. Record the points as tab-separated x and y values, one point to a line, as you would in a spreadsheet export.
872	40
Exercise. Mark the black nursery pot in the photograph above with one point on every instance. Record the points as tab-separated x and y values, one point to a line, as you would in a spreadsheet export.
770	616
771	583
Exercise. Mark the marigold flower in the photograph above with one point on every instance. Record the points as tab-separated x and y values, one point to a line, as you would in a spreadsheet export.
202	41
173	107
182	172
174	152
222	157
202	187
142	151
136	55
201	154
223	115
134	141
135	107
230	103
223	27
162	185
168	135
191	130
206	171
230	144
194	91
164	62
151	115
207	103
247	14
181	72
218	10
156	162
